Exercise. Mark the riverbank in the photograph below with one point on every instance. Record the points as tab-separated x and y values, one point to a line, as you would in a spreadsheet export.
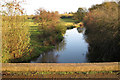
72	49
39	43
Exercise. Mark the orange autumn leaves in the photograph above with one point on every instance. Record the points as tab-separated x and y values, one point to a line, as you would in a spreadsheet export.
46	18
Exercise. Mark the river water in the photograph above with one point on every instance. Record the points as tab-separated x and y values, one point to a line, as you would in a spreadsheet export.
72	49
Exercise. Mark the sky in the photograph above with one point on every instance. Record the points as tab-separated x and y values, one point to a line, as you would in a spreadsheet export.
61	6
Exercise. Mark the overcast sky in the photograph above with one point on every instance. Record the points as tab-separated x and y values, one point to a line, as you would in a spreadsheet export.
59	5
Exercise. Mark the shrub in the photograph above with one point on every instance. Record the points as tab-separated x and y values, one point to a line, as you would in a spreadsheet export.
102	32
50	26
46	19
103	19
15	34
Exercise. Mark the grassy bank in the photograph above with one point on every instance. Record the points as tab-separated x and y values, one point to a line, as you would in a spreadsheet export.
69	23
38	43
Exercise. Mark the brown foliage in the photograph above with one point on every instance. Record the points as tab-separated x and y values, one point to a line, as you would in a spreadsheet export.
102	32
46	18
49	25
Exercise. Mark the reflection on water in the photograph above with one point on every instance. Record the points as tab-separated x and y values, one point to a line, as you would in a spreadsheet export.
72	49
102	47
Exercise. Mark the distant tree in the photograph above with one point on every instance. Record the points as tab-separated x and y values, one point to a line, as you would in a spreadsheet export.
78	16
46	19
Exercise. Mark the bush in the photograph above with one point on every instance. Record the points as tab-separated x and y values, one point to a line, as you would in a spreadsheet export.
46	19
49	25
15	34
102	31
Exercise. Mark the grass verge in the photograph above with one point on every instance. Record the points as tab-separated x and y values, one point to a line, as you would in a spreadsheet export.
59	73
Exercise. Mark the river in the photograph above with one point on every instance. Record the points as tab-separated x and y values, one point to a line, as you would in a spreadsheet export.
72	49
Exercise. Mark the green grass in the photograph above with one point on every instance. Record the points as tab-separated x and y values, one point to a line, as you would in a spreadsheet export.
36	42
68	20
59	73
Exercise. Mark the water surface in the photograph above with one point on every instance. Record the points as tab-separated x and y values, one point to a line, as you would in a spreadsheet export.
72	49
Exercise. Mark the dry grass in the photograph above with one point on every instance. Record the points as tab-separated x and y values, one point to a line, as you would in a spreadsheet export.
113	66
